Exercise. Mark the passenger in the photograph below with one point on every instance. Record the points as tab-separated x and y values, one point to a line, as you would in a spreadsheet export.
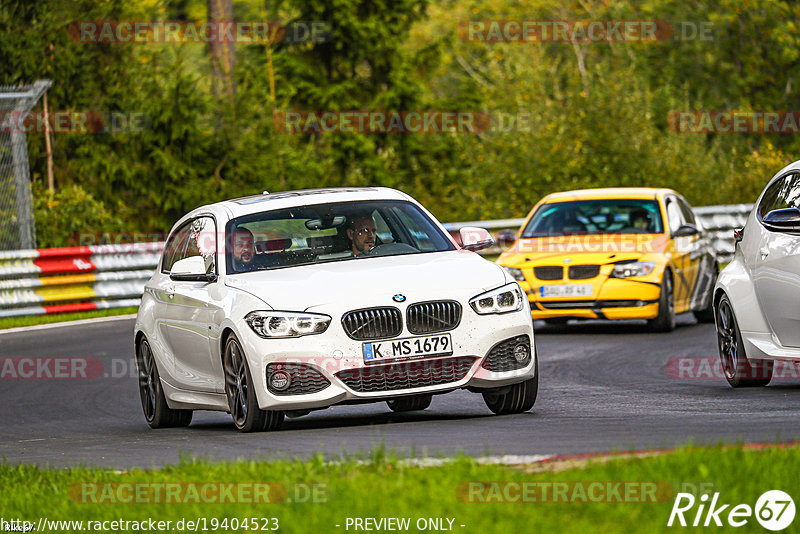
361	231
244	250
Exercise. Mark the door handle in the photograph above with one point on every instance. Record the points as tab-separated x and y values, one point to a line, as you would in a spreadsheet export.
764	252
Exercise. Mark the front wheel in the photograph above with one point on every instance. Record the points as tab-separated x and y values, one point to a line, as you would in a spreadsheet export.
665	320
518	398
739	371
241	393
154	404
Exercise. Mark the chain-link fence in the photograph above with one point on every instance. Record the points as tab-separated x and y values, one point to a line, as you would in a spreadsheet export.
17	227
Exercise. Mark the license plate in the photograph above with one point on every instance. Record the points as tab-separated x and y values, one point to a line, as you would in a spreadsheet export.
575	290
410	347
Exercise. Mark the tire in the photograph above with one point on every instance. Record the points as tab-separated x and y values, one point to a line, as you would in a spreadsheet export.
665	320
706	315
154	404
738	370
241	393
410	404
518	399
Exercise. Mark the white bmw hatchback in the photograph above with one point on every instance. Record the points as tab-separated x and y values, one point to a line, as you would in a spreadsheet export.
280	304
756	296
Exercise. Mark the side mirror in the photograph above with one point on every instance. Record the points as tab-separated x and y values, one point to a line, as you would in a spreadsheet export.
783	220
686	230
506	237
191	269
475	239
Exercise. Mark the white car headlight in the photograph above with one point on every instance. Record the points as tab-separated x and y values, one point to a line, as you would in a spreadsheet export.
637	268
505	299
516	274
270	324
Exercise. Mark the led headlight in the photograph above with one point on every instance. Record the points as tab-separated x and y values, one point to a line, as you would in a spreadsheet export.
637	268
507	298
516	274
287	324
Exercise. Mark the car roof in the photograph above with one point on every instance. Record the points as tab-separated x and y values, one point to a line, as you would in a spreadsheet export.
302	197
608	193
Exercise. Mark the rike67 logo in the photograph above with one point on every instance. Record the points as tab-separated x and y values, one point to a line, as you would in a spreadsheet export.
774	510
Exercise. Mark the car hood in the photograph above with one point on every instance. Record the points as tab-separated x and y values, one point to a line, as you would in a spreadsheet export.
372	281
583	249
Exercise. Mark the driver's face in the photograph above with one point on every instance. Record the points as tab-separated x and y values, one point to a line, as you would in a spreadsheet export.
362	235
640	223
243	248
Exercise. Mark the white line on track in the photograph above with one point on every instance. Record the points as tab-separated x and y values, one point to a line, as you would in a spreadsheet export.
33	328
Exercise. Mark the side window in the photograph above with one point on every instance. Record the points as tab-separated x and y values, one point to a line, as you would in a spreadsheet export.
195	238
674	215
785	193
686	210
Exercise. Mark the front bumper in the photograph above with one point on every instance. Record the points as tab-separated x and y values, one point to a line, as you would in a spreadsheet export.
612	298
340	360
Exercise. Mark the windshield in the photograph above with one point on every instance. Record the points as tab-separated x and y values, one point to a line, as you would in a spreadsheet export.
586	217
330	232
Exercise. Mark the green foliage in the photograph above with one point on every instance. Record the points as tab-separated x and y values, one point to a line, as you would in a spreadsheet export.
63	215
595	112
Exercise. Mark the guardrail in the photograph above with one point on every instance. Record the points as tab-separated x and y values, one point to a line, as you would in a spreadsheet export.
56	280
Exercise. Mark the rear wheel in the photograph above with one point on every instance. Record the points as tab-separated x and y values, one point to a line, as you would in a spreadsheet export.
517	398
665	320
739	371
241	393
154	404
410	404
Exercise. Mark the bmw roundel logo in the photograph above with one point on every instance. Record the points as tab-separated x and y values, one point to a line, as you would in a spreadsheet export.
399	298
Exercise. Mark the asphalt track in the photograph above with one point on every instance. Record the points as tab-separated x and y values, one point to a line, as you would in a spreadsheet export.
604	387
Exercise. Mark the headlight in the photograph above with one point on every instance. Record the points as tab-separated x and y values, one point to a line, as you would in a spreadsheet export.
637	268
507	298
287	324
516	274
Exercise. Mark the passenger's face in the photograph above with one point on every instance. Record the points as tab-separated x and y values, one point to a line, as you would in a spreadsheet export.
362	235
243	247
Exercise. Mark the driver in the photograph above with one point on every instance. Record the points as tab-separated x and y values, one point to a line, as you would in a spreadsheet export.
640	220
361	231
244	250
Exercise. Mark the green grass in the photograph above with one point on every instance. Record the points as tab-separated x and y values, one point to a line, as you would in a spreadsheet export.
13	322
384	487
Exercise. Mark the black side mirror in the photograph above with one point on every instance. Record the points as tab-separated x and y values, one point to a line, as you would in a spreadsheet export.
506	237
686	230
783	220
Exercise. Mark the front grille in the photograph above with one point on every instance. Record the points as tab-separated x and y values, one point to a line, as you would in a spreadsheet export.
430	317
373	323
406	375
501	357
303	379
549	272
583	272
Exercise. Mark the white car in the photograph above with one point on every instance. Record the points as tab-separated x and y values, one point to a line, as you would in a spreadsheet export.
279	304
757	296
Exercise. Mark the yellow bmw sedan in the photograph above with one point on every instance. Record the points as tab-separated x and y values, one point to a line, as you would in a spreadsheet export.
617	253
